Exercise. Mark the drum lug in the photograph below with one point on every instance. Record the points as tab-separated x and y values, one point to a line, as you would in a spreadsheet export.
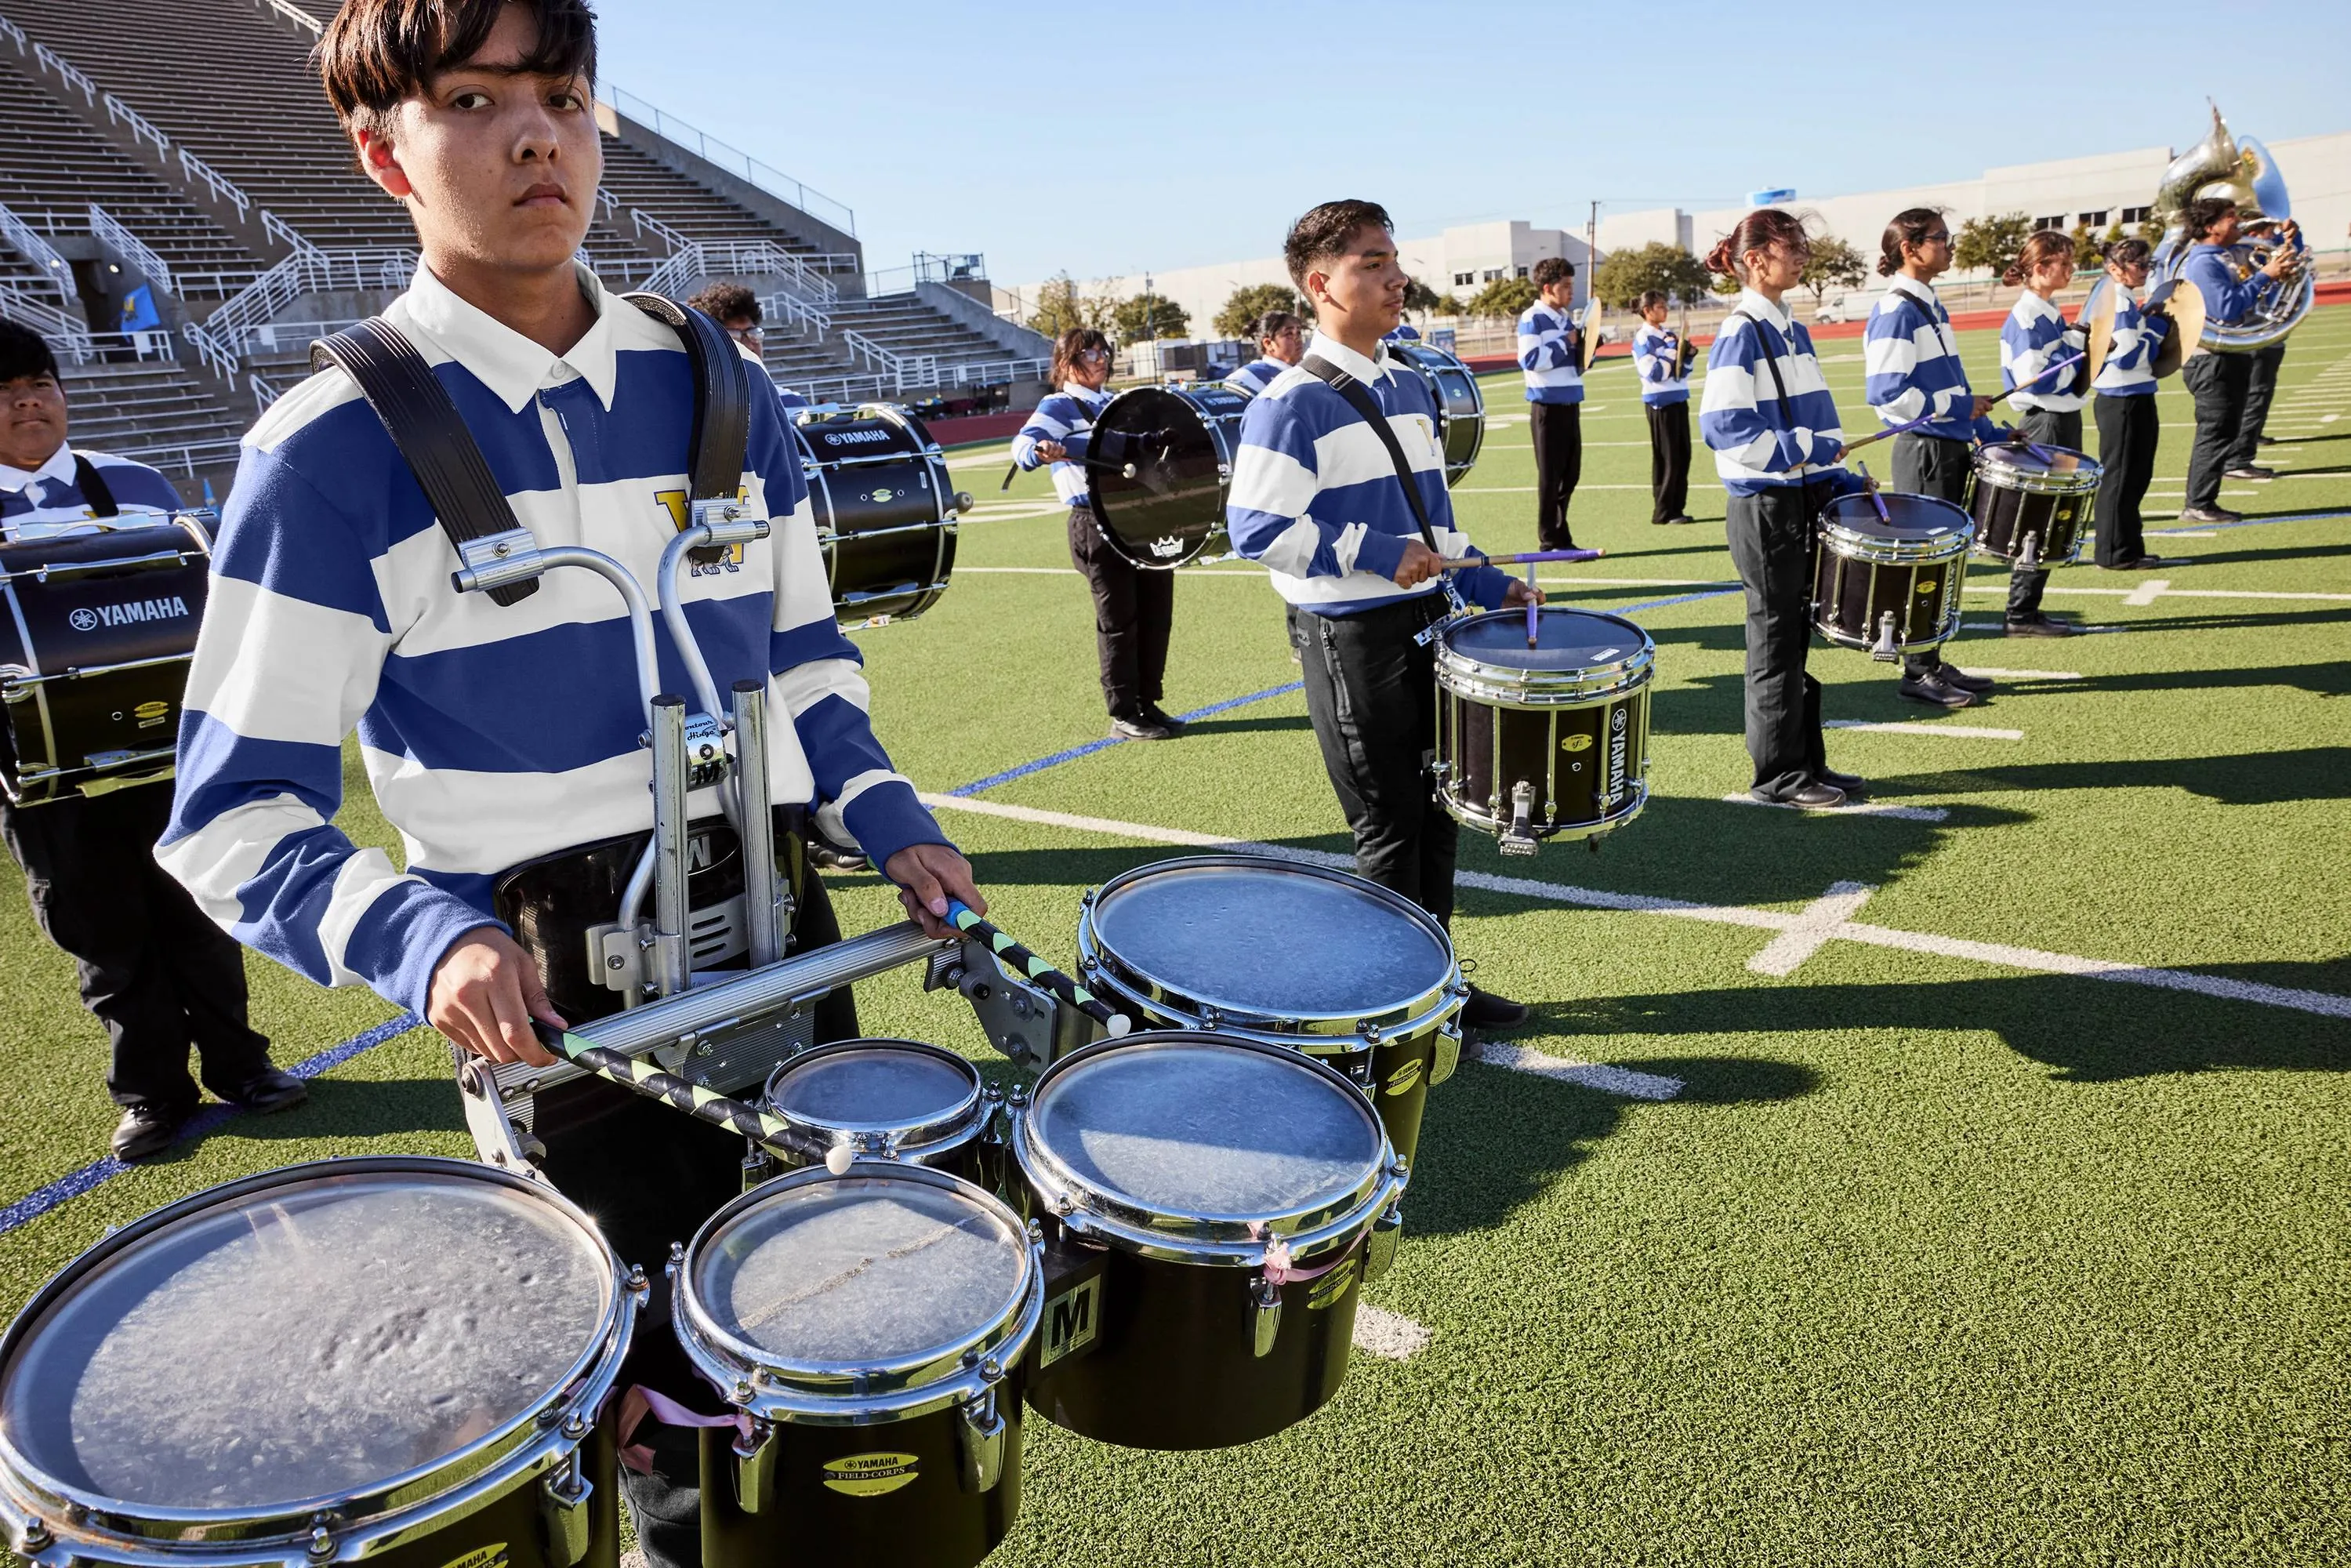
1447	1055
1519	838
1265	1316
1884	649
563	1506
755	1467
980	1433
1380	1247
2029	557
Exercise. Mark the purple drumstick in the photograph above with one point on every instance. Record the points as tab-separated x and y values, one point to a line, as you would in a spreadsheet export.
1535	637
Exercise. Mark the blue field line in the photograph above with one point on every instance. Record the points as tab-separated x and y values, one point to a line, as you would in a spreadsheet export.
209	1119
2252	523
1107	741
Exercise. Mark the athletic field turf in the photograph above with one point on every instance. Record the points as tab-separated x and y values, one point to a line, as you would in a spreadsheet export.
1974	1189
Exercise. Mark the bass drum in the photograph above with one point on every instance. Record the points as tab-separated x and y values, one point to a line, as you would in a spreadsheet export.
1158	465
1461	403
885	511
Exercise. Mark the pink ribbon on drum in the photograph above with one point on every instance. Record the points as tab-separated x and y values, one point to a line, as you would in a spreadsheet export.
641	1402
1280	1270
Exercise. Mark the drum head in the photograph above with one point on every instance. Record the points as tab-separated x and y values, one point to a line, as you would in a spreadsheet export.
1168	513
1564	640
880	1086
1910	520
1226	935
2030	461
860	1272
306	1340
1183	1126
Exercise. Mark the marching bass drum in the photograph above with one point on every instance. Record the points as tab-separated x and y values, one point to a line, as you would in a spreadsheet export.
1158	465
885	509
1461	403
96	635
1890	584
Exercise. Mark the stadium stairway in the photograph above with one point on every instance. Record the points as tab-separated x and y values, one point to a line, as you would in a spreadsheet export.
160	413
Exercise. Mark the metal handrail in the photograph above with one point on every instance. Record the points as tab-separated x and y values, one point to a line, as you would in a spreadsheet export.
131	248
185	457
304	272
794	311
759	258
296	14
641	220
215	355
65	71
284	232
14	34
38	251
64	330
816	203
265	392
195	168
121	113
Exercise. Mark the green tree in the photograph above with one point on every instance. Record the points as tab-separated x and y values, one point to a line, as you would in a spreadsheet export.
1420	297
1834	264
1449	305
1505	298
1061	305
1148	315
1724	283
1240	316
1990	244
1626	274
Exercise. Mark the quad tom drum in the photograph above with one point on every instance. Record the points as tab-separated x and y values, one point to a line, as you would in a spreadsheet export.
891	1099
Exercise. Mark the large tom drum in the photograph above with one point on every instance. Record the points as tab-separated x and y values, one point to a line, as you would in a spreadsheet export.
885	511
1889	584
1547	741
1461	403
2032	502
1212	942
96	634
1159	462
394	1360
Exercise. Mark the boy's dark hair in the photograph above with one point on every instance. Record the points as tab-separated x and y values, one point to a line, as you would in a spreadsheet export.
725	302
1271	324
24	352
1650	300
377	52
2201	214
1323	233
1553	269
2127	252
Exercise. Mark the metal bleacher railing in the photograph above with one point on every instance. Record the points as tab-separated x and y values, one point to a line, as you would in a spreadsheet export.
775	182
35	249
690	259
131	248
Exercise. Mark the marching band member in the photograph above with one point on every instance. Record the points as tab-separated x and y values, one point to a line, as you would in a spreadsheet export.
1316	498
1280	343
1772	424
2129	428
2261	381
1665	399
152	968
2222	384
495	734
738	310
2034	337
1135	610
1913	364
1548	341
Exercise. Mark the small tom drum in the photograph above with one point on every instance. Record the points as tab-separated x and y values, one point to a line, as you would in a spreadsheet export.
2032	503
1548	741
889	1098
1159	464
1461	403
885	510
1889	584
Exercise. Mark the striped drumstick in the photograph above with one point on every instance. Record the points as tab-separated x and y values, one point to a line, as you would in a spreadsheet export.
703	1104
963	918
1523	557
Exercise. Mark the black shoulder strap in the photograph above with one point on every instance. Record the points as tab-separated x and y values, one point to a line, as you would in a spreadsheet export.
93	488
722	397
430	435
1787	409
1367	409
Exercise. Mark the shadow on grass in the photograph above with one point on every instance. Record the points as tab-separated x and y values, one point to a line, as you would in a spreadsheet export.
2250	778
2245	557
2327	680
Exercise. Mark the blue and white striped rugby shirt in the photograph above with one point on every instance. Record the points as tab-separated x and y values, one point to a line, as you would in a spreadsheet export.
2129	369
1759	445
47	501
1655	359
1547	357
491	733
1314	497
1912	359
1067	416
2035	334
1256	376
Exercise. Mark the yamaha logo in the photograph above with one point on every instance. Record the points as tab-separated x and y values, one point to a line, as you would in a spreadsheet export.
84	619
130	612
854	437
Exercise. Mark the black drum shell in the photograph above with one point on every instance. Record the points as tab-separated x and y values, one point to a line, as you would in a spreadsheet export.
136	614
1181	442
929	1522
885	506
1173	1366
2005	517
1601	750
1848	595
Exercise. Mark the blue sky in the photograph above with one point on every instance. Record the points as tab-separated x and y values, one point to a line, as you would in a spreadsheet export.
1104	139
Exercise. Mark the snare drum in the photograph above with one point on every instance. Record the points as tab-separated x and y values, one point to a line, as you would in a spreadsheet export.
2032	502
95	638
870	1327
394	1360
885	510
1210	1205
1548	741
891	1099
1892	584
1212	943
1461	403
1158	463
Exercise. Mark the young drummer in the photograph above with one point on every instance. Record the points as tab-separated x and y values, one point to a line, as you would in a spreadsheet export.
1280	343
1774	427
1913	370
1665	399
1548	341
1317	499
2034	337
2129	428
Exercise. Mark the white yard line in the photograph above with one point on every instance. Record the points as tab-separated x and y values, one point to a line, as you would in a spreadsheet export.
1976	669
2133	595
1813	929
1608	1080
1389	1336
2148	591
1851	809
1888	726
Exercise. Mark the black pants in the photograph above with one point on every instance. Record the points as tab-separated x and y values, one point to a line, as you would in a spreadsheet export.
1669	458
157	973
2260	387
1133	611
1771	539
2222	384
2129	430
1558	431
1371	694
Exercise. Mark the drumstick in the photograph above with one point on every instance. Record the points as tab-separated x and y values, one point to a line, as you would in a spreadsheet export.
703	1104
1534	636
1894	430
1524	557
1875	500
964	918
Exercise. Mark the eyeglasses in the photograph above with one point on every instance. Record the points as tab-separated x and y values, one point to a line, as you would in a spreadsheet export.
1941	237
748	336
1095	356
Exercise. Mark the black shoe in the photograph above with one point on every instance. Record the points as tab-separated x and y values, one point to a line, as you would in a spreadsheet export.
146	1131
2250	471
1661	522
2147	563
1681	518
1849	783
2038	625
1485	1011
1952	675
1934	688
1140	729
832	857
1159	716
2265	441
266	1090
2209	515
1812	797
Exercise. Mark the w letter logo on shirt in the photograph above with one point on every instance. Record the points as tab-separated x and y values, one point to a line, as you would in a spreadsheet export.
681	516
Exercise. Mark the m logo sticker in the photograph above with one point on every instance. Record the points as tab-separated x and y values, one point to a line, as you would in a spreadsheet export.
1071	1320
